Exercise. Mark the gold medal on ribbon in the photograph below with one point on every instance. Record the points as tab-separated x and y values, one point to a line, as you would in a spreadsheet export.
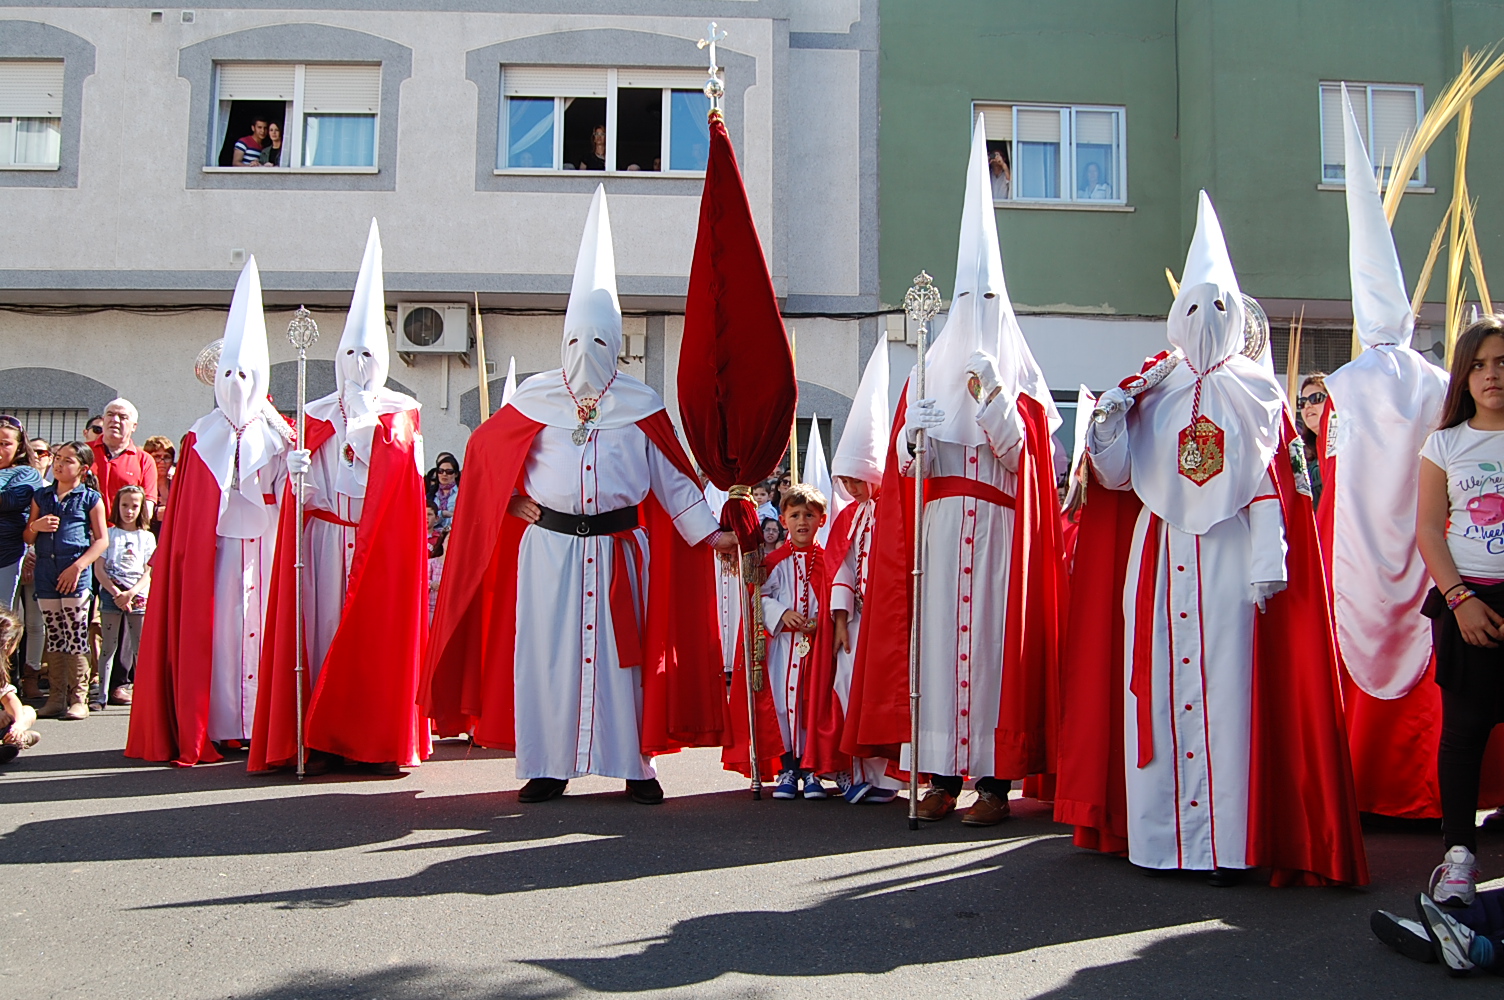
1201	452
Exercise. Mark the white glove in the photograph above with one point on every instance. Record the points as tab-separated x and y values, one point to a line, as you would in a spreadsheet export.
923	414
299	461
1115	403
984	367
1266	589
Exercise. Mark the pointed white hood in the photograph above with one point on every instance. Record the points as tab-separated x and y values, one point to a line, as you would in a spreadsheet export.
1240	396
361	398
363	357
817	474
863	448
242	435
509	387
1386	401
1381	307
981	317
592	342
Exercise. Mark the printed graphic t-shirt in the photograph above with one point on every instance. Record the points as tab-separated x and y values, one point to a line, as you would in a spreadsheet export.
1474	463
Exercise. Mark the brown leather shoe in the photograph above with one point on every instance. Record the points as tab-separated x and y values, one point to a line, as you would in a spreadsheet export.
936	804
988	810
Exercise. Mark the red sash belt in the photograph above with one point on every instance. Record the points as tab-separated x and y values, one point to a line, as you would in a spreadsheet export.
1141	674
312	513
623	606
959	486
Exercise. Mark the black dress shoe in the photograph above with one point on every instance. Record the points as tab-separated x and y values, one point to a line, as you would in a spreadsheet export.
1225	878
645	791
542	789
388	769
320	762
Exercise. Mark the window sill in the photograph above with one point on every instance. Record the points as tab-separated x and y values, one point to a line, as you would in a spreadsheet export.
30	166
1061	206
287	171
665	174
1408	190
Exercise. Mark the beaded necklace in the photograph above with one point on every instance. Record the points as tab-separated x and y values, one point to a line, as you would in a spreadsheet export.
587	410
235	469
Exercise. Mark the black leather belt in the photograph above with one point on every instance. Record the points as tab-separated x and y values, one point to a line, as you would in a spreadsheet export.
585	525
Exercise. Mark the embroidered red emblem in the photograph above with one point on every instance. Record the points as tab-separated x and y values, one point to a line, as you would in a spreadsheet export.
349	455
1202	447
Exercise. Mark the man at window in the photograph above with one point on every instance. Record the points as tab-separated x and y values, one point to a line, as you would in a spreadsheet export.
249	149
1002	176
597	158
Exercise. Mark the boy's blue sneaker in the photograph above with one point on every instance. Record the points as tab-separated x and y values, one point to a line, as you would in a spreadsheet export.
880	796
813	789
851	791
787	785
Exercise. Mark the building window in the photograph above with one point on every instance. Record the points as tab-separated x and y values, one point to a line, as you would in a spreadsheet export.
56	426
589	118
1387	113
31	114
296	115
1056	152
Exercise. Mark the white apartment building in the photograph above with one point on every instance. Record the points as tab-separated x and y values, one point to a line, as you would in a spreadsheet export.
468	130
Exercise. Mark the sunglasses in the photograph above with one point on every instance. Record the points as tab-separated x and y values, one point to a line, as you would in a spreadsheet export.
1314	399
41	452
96	428
9	421
449	472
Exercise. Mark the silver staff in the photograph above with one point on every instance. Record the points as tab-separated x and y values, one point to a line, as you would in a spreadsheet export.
302	332
920	303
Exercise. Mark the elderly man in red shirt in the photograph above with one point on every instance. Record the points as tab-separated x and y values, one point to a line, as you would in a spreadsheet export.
117	460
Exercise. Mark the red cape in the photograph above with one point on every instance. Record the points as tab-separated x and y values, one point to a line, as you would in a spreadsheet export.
877	715
364	706
468	675
1302	815
1394	742
819	706
170	713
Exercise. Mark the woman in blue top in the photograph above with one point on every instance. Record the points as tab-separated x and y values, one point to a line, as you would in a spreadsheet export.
67	527
18	480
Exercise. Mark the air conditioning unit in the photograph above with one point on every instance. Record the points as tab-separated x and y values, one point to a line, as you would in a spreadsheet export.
433	327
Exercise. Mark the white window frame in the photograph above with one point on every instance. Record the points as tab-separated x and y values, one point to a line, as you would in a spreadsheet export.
10	121
1354	89
1068	113
557	169
293	127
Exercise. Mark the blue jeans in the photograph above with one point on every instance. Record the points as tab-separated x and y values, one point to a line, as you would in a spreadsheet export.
9	577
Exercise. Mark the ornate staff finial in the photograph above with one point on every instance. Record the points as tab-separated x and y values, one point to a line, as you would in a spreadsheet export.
715	87
303	331
207	362
922	301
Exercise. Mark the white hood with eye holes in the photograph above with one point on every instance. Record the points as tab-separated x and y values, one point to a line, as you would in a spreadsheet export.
592	342
1239	395
360	369
243	424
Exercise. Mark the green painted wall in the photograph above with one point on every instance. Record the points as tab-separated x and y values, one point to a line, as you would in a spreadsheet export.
1248	130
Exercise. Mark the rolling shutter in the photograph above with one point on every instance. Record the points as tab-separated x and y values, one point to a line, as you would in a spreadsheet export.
672	79
31	89
997	119
1038	125
1394	119
347	89
553	81
256	81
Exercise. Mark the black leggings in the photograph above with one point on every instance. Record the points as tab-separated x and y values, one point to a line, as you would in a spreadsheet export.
1466	723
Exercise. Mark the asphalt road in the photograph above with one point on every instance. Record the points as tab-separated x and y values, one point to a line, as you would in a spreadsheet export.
125	880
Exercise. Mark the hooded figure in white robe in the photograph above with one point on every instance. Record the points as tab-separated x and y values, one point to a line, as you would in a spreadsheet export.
243	442
1197	450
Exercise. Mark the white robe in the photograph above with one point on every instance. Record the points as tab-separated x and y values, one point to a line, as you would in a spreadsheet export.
1188	807
849	585
577	710
968	549
788	587
242	583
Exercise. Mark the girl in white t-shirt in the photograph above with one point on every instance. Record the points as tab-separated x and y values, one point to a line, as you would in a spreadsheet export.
124	575
1460	533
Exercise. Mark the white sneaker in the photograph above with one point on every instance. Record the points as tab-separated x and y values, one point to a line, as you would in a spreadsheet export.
1454	881
1453	941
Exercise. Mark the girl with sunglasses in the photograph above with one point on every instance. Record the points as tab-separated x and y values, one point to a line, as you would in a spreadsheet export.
1310	405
